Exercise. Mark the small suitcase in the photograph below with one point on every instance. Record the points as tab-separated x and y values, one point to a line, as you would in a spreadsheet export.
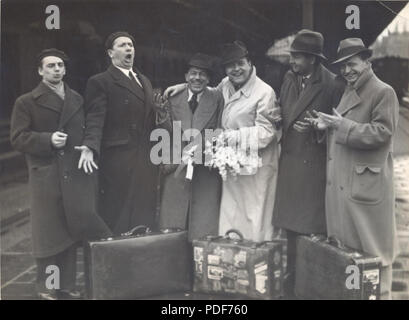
238	267
325	269
138	265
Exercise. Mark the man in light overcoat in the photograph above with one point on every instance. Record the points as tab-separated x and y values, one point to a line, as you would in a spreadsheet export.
360	198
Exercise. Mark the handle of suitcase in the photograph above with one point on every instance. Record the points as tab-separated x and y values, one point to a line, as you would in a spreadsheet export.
137	231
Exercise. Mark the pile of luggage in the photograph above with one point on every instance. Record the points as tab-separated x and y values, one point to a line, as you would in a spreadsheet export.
141	264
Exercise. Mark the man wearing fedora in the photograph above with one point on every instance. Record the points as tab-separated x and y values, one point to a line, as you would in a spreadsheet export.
360	194
193	204
120	108
301	175
249	113
48	125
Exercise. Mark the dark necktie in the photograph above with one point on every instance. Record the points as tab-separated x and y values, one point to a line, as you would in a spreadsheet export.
303	82
133	78
193	103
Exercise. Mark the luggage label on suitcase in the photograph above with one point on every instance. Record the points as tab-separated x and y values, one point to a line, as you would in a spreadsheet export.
239	267
325	269
137	265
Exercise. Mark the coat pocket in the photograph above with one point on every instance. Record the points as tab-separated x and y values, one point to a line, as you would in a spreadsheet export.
40	172
367	186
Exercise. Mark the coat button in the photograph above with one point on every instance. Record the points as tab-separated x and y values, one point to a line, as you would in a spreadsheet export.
65	176
341	187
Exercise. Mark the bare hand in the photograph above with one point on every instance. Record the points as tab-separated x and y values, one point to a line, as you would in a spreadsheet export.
59	139
232	137
332	121
315	120
86	160
173	90
160	102
276	116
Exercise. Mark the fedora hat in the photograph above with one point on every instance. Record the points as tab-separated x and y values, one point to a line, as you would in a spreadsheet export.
350	47
233	51
201	61
307	41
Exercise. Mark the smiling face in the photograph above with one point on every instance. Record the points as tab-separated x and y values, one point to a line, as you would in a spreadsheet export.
352	68
302	64
239	71
197	79
122	53
52	69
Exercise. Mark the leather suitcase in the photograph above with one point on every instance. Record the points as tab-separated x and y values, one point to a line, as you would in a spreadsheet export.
138	265
325	269
238	267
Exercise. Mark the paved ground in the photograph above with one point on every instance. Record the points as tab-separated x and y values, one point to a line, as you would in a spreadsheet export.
18	268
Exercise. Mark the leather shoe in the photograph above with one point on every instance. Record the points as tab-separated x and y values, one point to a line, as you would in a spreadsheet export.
69	295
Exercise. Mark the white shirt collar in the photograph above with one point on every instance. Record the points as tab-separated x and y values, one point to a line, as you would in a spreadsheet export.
190	94
126	72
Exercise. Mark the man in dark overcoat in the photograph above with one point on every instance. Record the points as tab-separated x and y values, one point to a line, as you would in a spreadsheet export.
47	125
119	106
300	199
193	203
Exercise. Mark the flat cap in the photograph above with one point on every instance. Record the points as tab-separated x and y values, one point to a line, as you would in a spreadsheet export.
53	52
111	38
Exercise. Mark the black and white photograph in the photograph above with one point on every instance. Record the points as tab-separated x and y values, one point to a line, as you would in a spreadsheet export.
204	150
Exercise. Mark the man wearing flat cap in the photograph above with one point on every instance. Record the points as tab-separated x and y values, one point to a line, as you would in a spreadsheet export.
301	175
49	126
120	106
360	197
193	204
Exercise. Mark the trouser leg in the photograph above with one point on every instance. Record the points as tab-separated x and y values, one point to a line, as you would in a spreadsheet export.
386	283
58	271
45	281
289	280
67	262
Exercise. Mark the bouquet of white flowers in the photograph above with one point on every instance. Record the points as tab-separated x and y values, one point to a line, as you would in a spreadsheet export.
230	158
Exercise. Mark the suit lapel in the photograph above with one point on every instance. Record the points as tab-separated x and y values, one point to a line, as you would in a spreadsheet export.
204	112
181	111
306	96
46	98
122	80
349	100
71	105
147	91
